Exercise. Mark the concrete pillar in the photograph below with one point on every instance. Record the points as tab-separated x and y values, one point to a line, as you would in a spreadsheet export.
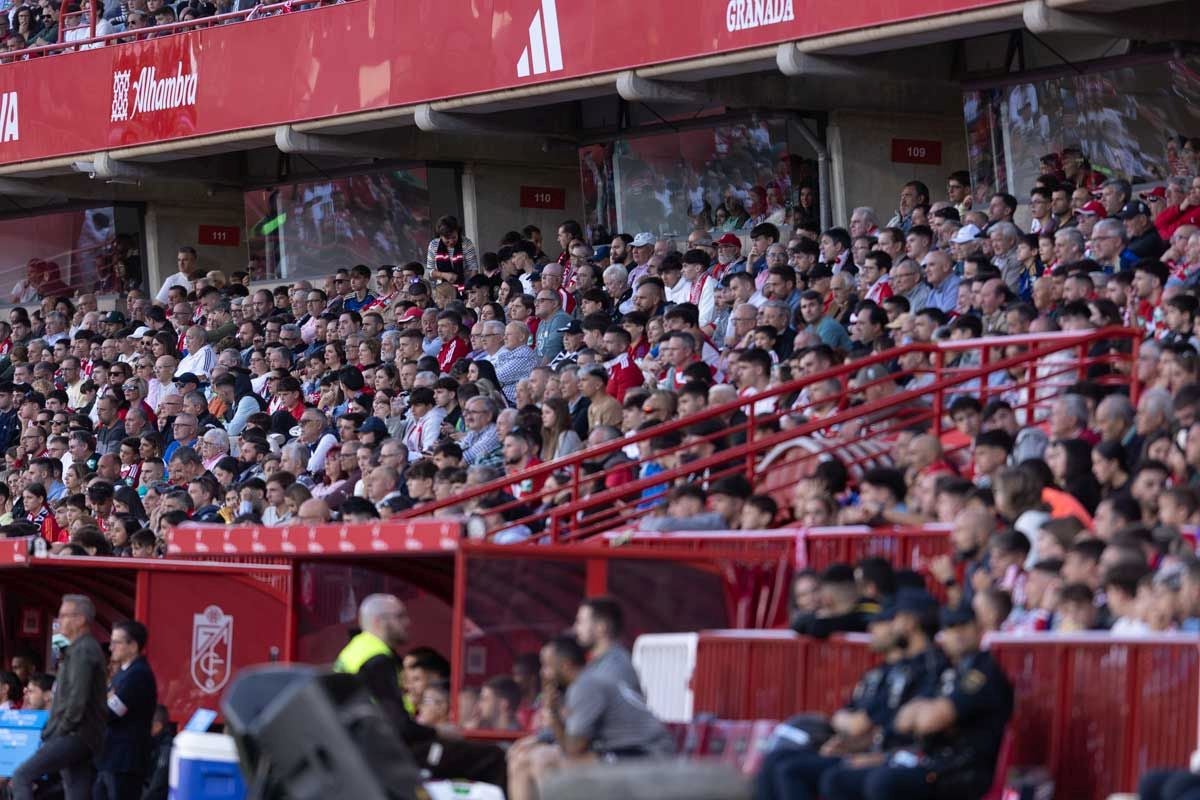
470	219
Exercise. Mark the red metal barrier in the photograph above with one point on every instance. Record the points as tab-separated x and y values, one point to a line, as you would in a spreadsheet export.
904	548
774	674
746	674
1097	710
830	668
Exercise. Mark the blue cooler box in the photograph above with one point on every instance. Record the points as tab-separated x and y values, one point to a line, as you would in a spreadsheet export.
204	766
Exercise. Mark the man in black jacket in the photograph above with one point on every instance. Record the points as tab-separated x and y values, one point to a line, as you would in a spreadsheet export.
72	737
132	698
372	656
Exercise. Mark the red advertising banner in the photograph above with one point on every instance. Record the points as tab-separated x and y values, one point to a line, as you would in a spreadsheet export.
362	55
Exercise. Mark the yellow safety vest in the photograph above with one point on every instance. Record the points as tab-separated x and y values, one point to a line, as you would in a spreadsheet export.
361	649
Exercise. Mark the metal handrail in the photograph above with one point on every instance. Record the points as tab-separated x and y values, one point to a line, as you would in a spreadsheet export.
611	508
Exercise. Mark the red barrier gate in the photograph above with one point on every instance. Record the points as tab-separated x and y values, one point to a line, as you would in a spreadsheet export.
775	674
1098	711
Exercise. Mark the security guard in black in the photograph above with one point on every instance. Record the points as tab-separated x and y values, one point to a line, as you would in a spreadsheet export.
959	728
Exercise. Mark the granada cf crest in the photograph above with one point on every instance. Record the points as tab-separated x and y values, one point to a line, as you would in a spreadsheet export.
212	649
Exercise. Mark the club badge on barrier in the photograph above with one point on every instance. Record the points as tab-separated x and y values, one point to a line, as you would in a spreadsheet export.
212	649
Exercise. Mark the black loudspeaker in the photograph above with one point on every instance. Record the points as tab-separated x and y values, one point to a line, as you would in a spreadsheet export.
304	734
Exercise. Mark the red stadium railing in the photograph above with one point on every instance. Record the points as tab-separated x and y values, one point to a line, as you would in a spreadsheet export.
776	449
1097	711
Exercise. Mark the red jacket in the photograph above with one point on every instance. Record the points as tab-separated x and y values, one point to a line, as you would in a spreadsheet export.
452	352
1169	220
623	375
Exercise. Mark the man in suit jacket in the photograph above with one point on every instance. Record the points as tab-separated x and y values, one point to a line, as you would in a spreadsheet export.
72	737
132	699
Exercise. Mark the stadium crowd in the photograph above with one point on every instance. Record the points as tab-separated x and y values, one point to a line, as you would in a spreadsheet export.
380	389
27	24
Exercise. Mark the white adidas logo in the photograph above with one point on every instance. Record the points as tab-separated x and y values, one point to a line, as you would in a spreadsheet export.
546	50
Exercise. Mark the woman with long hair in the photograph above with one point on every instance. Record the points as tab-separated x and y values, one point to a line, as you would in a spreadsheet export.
1070	461
37	511
335	356
558	437
165	344
126	500
483	370
335	485
76	478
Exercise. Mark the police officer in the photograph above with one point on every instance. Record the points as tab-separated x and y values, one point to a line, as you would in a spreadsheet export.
372	656
903	632
959	727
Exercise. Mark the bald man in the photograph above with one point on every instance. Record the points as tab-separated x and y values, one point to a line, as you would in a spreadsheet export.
314	511
374	655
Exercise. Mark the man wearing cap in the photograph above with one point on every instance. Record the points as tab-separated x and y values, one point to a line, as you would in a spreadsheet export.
1087	215
957	725
640	252
1144	241
729	256
965	242
572	335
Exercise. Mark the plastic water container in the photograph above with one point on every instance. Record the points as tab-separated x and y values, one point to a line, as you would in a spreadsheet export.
204	766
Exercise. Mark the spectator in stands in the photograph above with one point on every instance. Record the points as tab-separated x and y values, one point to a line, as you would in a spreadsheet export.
499	701
840	610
